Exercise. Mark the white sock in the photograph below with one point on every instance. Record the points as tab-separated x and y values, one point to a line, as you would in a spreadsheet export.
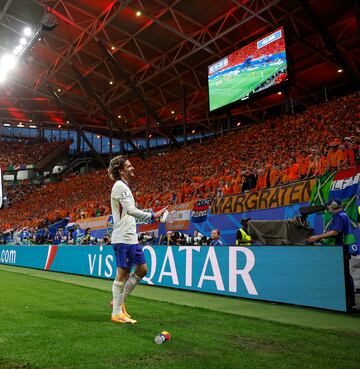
118	296
130	284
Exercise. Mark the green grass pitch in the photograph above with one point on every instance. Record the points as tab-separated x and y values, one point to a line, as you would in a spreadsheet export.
51	324
223	91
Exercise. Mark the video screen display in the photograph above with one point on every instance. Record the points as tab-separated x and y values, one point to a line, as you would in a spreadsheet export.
255	67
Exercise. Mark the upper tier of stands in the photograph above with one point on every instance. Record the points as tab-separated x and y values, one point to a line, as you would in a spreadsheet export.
15	155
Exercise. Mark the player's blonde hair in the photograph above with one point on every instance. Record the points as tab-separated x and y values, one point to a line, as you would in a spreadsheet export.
116	164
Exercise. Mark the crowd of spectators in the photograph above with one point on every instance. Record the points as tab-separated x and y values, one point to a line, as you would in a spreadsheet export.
182	239
16	155
76	197
26	236
75	236
43	236
285	149
16	192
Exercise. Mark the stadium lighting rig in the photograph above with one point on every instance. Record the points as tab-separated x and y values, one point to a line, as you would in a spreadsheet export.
9	61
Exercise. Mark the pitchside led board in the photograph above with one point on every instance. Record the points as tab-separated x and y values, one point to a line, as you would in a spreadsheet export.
1	190
257	67
301	275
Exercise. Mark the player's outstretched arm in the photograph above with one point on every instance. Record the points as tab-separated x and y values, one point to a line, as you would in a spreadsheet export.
127	202
163	212
142	216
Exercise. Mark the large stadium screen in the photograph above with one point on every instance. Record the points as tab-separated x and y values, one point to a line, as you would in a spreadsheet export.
256	67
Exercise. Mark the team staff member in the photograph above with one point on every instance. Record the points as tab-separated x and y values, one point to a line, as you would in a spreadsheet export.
339	232
124	237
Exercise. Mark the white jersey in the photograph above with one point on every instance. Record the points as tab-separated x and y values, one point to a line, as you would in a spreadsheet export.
124	214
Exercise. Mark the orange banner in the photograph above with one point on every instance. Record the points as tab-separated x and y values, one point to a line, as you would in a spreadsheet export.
292	193
148	227
93	223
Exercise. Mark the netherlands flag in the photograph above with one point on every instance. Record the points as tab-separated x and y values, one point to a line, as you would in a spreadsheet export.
200	211
345	184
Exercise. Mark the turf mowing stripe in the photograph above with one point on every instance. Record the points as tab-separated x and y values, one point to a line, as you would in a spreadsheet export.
287	314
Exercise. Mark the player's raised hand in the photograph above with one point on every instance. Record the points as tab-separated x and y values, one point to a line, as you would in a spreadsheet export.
161	212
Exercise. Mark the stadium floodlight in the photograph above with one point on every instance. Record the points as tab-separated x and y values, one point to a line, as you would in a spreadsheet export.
49	20
8	62
18	49
23	41
27	31
2	75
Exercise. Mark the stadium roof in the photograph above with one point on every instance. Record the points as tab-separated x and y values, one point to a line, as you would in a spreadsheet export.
104	61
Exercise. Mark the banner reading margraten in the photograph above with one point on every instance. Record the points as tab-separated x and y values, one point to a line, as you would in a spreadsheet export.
179	218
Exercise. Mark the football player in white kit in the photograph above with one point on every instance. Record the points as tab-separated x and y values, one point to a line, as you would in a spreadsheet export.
124	238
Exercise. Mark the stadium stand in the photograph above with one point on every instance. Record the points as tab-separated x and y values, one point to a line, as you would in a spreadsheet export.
16	155
179	184
282	150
